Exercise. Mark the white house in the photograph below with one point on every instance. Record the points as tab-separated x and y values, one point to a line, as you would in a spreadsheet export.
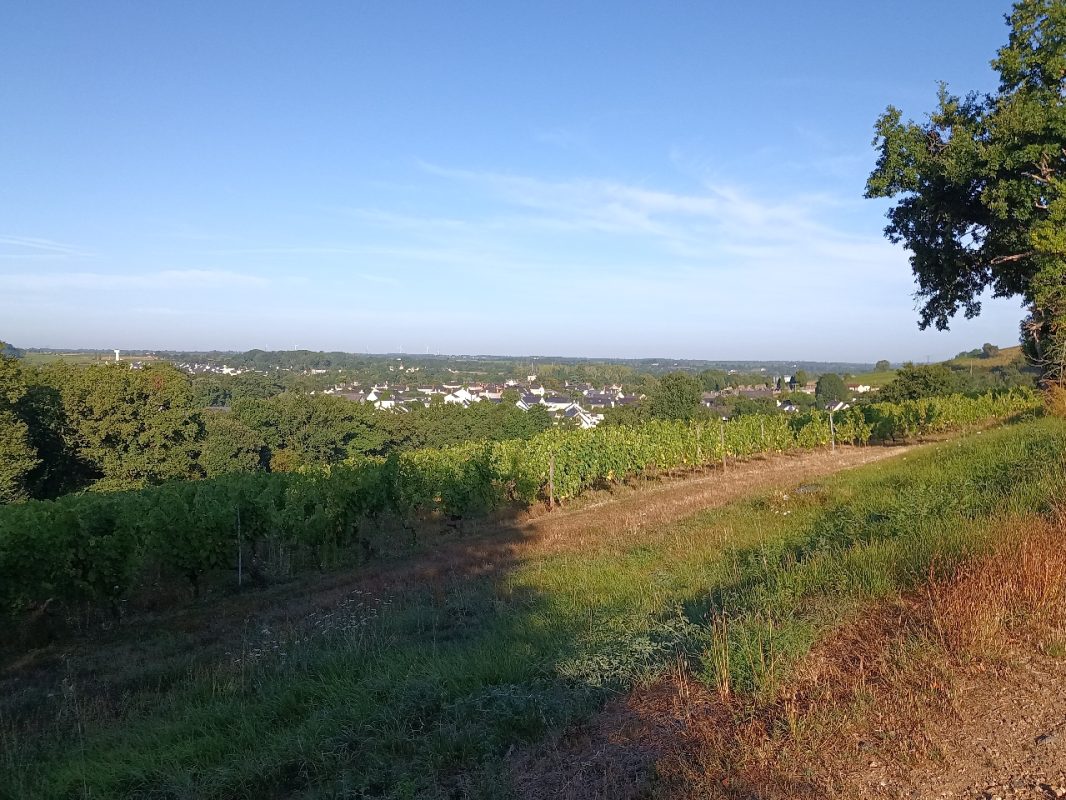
461	397
584	418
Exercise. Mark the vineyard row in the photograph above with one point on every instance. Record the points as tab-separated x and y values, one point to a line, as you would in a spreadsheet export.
91	550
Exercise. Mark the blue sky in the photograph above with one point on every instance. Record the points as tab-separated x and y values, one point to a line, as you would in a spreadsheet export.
605	179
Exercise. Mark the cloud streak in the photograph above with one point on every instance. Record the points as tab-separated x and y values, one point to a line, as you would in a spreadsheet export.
720	226
103	281
22	247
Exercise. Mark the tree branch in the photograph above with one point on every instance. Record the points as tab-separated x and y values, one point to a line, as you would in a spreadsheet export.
1008	259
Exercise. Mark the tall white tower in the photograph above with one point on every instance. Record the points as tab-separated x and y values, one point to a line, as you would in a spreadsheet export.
116	355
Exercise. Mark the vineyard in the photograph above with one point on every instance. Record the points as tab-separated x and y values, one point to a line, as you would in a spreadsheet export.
89	552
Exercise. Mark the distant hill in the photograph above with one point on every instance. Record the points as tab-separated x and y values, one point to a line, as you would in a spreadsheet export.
969	362
1006	355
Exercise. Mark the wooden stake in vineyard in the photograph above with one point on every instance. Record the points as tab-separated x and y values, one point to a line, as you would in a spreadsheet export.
722	423
551	483
832	434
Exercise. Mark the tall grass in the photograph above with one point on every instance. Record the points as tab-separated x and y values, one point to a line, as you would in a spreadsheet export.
426	695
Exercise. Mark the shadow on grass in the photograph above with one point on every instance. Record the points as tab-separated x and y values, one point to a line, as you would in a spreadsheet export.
409	676
436	674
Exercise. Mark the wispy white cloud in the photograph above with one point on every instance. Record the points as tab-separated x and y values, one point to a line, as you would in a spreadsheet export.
164	279
720	225
25	247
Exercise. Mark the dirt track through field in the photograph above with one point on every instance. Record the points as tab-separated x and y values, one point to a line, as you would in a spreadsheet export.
603	519
677	499
483	548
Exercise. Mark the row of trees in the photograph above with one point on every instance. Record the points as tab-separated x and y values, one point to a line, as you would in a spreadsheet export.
66	428
107	427
678	395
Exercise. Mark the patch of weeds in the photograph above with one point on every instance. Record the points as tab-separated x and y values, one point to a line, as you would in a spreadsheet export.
1055	648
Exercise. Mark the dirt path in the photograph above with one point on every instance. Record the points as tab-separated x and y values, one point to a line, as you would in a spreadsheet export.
602	519
1007	739
677	499
486	548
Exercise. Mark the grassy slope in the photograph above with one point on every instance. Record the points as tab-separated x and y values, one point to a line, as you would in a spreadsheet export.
421	693
1007	355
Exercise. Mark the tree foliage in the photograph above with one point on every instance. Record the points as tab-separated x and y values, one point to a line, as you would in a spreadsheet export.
18	457
677	396
134	427
8	350
90	550
916	381
830	388
980	187
230	446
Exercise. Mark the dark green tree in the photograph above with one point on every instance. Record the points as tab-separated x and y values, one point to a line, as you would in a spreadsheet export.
630	415
714	380
9	350
18	457
677	396
882	366
924	380
134	427
316	429
229	446
830	388
981	187
744	406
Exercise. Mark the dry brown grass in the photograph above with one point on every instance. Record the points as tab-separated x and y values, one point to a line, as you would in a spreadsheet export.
1055	400
872	702
1017	592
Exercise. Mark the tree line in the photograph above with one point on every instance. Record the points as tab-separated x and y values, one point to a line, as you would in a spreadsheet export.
107	427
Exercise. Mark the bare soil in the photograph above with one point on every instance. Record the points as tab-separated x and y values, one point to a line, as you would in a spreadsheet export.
1005	737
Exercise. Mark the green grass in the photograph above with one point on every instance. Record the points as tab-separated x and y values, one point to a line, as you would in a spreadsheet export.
422	695
875	379
41	359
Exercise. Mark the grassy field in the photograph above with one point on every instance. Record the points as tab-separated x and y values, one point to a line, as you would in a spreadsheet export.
1006	356
875	379
422	690
39	359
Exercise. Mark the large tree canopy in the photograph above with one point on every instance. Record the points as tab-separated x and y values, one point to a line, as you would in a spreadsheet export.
981	187
677	396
